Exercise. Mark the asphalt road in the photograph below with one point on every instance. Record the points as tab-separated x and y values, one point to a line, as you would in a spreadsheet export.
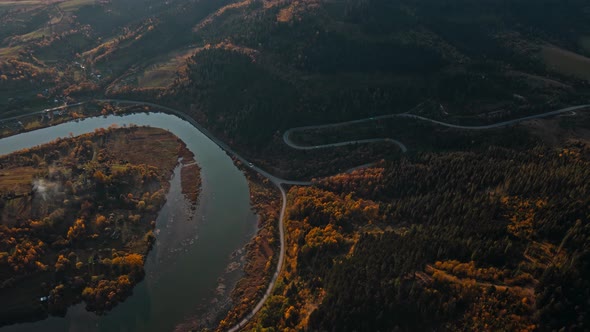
287	135
499	124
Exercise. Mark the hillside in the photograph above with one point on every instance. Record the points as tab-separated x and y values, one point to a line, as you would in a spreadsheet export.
495	239
308	62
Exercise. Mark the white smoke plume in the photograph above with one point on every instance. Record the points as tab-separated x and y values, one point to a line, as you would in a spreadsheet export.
45	188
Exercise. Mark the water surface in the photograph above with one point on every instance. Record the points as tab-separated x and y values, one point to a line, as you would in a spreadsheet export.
187	266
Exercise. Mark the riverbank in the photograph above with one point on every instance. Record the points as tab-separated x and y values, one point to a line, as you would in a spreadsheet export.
62	114
261	252
193	249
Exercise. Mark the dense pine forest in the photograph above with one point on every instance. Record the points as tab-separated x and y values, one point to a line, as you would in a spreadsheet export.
489	240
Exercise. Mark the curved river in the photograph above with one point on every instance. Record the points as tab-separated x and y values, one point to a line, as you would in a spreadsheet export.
186	271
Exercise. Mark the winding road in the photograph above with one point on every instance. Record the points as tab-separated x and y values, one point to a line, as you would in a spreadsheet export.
290	143
287	135
286	138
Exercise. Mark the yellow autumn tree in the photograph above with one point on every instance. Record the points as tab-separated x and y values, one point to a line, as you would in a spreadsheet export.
77	230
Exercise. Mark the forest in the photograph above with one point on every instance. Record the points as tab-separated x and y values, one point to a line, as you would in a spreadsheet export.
314	62
307	62
296	63
490	240
77	218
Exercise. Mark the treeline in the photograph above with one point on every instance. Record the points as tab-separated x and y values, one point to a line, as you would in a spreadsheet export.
262	251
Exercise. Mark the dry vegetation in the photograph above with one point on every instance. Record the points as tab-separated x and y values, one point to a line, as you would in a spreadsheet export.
487	240
261	251
77	216
566	62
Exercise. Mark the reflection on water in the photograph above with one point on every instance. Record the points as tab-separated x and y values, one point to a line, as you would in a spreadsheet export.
176	230
186	280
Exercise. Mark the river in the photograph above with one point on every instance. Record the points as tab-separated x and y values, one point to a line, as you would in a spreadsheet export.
186	272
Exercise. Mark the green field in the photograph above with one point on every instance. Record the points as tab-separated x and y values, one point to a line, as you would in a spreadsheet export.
162	74
10	51
10	3
73	5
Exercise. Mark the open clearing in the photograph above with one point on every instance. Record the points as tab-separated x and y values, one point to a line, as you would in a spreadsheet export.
566	62
162	74
17	179
19	3
72	5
